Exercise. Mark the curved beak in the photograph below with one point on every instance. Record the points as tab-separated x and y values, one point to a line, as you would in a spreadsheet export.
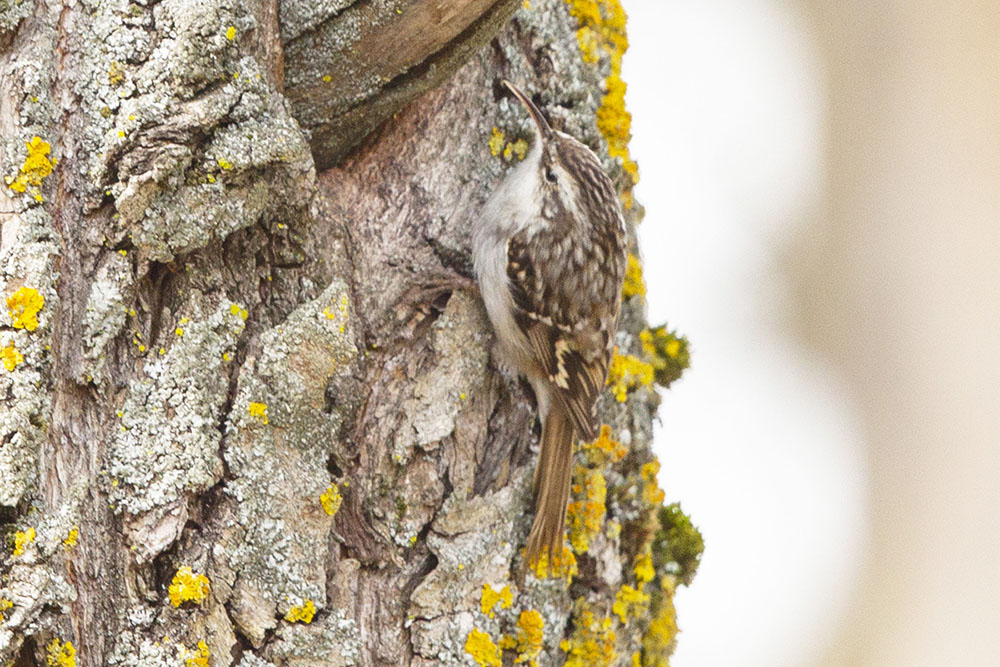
536	115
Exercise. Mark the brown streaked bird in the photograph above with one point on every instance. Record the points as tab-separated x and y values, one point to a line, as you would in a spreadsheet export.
549	253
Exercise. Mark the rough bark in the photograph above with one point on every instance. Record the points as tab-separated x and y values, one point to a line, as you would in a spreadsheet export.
196	267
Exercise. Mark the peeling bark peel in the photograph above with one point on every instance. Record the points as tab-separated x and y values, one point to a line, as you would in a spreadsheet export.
350	69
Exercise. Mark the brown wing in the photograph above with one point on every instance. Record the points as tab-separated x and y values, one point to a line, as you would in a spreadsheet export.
560	319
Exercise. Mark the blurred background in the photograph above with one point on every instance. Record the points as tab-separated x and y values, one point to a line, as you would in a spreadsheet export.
822	186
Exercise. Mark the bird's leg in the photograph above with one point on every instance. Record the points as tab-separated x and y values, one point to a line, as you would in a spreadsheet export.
428	297
448	281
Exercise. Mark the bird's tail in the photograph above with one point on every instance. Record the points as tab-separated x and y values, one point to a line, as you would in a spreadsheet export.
552	484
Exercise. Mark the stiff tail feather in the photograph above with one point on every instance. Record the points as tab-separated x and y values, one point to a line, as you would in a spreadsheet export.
552	483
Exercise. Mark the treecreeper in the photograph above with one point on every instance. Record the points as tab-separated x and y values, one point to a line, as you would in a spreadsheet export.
549	251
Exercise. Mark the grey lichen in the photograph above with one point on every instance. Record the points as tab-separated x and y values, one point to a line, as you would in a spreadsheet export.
21	437
189	198
193	50
33	579
330	641
276	449
251	660
27	260
299	16
167	442
329	44
475	543
185	133
132	650
107	308
12	12
571	105
439	393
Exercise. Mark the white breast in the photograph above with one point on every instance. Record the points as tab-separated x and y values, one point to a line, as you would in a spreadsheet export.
511	208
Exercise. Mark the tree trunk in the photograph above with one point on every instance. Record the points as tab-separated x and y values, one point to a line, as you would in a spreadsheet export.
249	411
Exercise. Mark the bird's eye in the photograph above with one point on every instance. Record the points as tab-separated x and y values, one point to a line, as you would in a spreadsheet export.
550	175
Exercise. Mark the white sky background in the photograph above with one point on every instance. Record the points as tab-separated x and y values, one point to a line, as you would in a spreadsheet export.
757	440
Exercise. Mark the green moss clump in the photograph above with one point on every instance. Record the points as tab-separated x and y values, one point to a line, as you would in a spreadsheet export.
669	353
678	544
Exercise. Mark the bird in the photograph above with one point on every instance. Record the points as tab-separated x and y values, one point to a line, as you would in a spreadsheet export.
549	254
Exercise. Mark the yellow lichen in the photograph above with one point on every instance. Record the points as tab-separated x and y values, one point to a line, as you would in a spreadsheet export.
72	537
629	603
200	657
592	643
658	640
615	123
496	141
301	614
562	567
667	352
116	73
331	499
585	515
517	148
22	539
530	637
644	567
587	12
626	373
605	449
23	306
187	586
590	44
226	164
5	604
342	308
11	357
651	491
482	649
628	200
231	33
634	284
258	411
35	169
602	30
520	148
58	654
489	599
